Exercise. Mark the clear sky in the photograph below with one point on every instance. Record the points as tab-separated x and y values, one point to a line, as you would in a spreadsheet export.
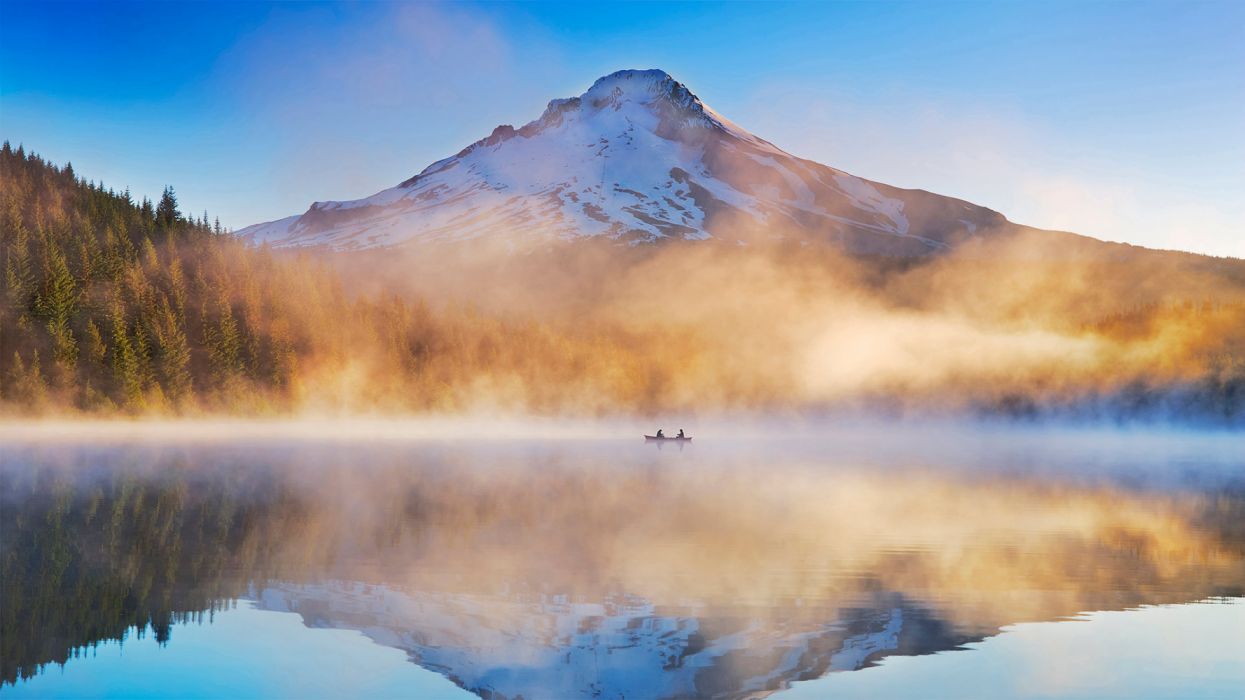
1122	120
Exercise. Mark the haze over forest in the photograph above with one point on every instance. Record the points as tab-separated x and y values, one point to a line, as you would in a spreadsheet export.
118	307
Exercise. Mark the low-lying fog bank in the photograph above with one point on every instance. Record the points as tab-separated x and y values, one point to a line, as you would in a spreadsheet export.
490	427
942	444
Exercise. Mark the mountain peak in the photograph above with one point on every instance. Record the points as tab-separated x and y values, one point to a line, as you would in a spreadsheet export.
638	85
636	158
651	90
645	87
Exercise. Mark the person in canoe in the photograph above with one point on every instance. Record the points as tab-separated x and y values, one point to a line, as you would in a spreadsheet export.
681	435
660	434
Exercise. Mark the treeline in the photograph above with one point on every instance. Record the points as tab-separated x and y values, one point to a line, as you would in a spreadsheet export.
116	305
94	312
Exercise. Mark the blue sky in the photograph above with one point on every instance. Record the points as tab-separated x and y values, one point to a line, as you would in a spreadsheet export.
1120	120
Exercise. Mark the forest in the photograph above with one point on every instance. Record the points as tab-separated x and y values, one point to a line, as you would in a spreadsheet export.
118	307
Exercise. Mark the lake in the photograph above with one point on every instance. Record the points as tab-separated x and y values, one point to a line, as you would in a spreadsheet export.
931	562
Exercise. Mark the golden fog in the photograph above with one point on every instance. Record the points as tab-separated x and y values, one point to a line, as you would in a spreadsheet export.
983	547
117	307
1035	319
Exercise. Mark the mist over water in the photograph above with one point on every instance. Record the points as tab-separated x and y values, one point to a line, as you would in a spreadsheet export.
543	566
398	445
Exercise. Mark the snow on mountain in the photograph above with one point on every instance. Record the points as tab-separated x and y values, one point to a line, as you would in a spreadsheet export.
622	647
637	158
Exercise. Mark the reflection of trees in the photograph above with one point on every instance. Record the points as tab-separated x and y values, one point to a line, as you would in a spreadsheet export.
93	552
89	562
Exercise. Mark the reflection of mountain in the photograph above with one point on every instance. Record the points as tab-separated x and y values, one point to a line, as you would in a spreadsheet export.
506	570
623	647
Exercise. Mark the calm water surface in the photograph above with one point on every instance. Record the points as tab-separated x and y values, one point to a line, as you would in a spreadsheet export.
934	563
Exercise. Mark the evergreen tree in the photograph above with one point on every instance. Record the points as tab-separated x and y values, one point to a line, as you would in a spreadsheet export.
88	258
166	212
142	354
174	353
225	344
177	288
150	258
93	343
26	384
125	365
18	276
57	304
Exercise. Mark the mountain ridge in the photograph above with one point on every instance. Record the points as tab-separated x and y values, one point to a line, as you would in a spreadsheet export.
637	158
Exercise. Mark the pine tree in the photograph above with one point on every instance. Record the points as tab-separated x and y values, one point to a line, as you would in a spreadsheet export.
166	212
225	344
87	258
112	260
177	288
150	257
57	303
26	384
125	367
18	277
93	343
284	358
174	353
142	354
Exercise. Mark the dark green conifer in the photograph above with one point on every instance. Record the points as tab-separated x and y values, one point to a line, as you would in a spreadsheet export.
166	212
126	372
225	344
174	353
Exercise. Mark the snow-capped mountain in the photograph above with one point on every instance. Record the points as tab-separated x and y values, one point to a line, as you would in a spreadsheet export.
622	647
637	158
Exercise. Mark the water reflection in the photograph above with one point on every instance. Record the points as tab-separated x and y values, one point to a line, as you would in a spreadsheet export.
525	570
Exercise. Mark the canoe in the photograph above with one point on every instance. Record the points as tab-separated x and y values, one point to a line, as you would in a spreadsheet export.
654	438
